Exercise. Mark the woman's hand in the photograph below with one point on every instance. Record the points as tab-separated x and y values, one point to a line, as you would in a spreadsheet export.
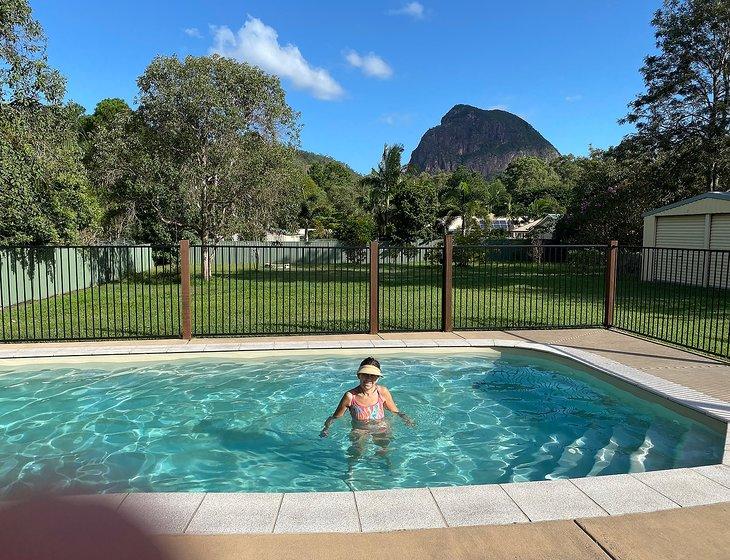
407	420
324	433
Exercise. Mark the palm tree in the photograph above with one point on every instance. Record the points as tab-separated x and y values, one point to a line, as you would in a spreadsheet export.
383	183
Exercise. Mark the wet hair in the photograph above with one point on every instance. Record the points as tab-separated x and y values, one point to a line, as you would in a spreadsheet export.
370	361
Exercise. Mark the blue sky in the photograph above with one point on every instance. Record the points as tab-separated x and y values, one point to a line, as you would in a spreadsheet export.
365	73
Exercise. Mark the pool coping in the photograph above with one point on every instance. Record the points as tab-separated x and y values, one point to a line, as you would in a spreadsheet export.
415	508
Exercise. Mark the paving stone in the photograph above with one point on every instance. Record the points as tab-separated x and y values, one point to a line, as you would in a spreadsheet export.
357	344
621	493
317	512
164	512
389	343
324	344
147	349
490	342
35	353
99	351
477	505
420	342
552	499
222	347
452	342
256	346
686	487
718	473
390	510
284	345
236	513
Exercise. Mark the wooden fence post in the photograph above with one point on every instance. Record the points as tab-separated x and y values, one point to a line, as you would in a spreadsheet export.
187	333
374	307
611	262
447	322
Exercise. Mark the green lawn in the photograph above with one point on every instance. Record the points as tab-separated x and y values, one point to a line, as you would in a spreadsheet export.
492	295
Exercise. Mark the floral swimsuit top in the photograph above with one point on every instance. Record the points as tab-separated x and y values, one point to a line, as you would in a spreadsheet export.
364	413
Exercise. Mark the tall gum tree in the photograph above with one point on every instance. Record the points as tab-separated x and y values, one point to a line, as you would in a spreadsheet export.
686	105
223	135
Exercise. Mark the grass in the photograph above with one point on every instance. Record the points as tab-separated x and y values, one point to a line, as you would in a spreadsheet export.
494	295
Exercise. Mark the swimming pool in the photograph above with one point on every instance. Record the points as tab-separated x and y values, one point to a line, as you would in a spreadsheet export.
223	424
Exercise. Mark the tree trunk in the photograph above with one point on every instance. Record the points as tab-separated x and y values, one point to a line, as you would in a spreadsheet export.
206	263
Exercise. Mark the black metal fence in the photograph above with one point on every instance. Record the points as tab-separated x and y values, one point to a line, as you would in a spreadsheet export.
89	292
269	289
410	281
541	286
681	296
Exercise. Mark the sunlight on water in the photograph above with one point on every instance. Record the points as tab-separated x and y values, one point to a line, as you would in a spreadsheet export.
220	425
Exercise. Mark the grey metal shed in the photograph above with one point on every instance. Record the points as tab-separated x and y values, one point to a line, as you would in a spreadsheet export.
700	223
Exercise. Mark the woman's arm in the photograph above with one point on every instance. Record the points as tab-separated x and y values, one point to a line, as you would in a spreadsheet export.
389	404
345	402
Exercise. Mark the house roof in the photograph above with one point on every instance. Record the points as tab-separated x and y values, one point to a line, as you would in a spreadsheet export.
534	223
715	194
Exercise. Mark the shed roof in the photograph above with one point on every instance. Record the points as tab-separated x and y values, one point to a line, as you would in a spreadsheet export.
717	195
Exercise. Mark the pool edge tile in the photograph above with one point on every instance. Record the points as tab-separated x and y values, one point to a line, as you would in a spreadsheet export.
621	494
398	509
549	500
317	512
474	505
235	513
161	513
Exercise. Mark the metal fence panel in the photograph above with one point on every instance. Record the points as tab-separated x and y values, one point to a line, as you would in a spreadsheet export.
681	296
544	286
270	289
410	288
89	293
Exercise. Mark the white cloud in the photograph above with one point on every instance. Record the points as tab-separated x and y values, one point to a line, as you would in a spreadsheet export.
257	43
412	9
500	107
574	98
193	32
395	119
370	64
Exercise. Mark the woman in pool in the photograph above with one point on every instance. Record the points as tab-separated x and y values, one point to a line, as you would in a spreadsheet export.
367	402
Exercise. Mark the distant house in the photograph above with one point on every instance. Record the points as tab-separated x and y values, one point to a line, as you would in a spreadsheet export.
698	223
542	228
495	222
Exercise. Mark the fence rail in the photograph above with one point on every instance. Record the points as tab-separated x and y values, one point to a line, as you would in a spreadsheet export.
680	296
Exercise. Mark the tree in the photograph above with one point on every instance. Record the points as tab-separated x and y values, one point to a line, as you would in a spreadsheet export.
607	203
414	210
24	72
383	183
544	206
356	232
44	194
468	195
44	190
220	138
529	178
344	192
686	105
313	204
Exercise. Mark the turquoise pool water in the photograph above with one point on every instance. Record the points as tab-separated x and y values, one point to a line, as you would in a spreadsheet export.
219	424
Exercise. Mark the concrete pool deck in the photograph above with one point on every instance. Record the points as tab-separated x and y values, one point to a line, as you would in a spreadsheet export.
700	383
697	532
